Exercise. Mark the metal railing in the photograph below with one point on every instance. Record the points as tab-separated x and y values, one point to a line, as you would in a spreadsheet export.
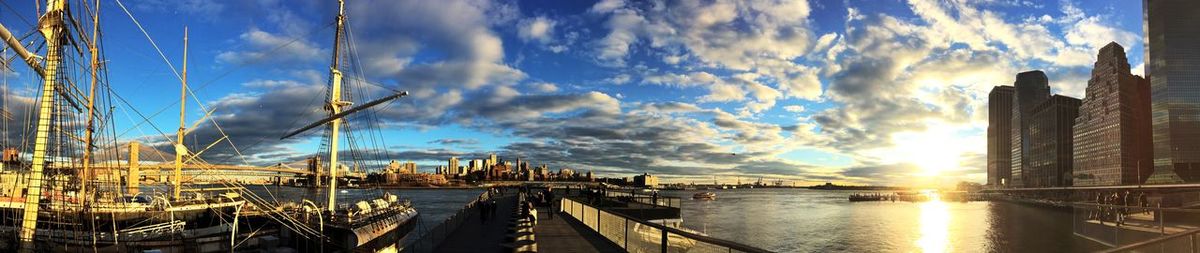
639	236
1121	226
429	241
643	198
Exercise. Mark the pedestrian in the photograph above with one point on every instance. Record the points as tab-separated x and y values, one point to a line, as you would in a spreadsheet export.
550	196
530	212
492	205
482	212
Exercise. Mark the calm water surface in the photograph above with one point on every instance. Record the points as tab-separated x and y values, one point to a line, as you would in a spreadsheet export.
802	220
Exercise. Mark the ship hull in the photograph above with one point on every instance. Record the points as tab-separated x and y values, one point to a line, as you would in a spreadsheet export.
383	232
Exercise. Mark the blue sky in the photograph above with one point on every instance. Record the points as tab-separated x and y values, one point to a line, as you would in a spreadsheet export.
881	92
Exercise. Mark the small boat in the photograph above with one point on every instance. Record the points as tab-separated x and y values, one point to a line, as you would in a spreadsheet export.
705	196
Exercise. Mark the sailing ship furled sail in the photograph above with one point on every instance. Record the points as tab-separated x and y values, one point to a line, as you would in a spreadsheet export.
380	222
66	186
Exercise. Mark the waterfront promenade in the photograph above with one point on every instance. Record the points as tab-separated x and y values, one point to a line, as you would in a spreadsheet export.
482	236
565	234
557	234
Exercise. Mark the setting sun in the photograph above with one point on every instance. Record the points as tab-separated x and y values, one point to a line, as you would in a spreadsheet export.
937	149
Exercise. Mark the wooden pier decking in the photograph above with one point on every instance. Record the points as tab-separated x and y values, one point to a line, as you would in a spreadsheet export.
553	234
486	237
562	233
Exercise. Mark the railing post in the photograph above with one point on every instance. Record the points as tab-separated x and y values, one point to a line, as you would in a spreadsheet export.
1193	238
664	240
626	245
598	222
1162	216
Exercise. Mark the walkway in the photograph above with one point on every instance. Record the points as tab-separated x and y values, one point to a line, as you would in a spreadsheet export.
485	237
565	234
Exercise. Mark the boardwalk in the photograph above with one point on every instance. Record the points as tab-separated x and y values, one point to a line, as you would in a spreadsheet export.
565	234
483	237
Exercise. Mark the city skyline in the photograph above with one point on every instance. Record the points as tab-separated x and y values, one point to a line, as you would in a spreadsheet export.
623	88
1125	122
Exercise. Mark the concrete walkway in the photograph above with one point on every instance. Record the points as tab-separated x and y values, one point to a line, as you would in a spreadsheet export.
565	234
483	237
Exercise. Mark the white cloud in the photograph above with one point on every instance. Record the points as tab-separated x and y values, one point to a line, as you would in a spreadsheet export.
545	87
472	55
536	29
618	79
794	108
271	48
1093	35
1139	69
723	92
605	6
624	26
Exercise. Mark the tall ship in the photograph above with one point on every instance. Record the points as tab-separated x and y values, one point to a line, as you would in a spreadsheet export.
68	183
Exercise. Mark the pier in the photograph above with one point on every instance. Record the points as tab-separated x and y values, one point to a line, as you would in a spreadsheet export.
573	220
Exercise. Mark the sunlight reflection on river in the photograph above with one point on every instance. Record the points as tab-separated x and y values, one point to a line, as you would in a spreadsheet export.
935	223
802	220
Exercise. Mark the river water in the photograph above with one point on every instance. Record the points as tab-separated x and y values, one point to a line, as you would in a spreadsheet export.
802	220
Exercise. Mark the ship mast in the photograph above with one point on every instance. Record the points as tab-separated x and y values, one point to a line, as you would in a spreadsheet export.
335	107
51	26
88	142
180	150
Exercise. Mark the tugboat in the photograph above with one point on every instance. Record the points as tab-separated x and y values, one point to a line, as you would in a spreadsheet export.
705	196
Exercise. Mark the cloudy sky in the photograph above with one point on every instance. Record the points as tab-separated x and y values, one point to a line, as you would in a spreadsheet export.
864	92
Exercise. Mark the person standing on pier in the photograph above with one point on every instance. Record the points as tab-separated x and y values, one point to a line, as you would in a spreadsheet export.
492	207
1143	202
482	212
550	199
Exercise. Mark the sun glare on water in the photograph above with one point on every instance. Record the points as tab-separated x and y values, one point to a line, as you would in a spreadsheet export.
935	225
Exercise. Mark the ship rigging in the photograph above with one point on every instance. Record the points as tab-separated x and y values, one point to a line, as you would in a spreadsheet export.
66	185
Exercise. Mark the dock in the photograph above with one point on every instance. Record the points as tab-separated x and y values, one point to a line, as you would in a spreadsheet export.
574	220
560	233
478	234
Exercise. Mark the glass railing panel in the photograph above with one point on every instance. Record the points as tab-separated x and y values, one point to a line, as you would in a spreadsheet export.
575	209
643	239
613	228
589	217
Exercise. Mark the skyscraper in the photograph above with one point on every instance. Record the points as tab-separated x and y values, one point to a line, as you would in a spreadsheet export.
1030	90
491	161
1112	132
453	166
999	136
475	165
1173	67
1049	159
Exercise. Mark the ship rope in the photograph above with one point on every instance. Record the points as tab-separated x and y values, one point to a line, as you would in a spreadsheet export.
286	220
366	146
